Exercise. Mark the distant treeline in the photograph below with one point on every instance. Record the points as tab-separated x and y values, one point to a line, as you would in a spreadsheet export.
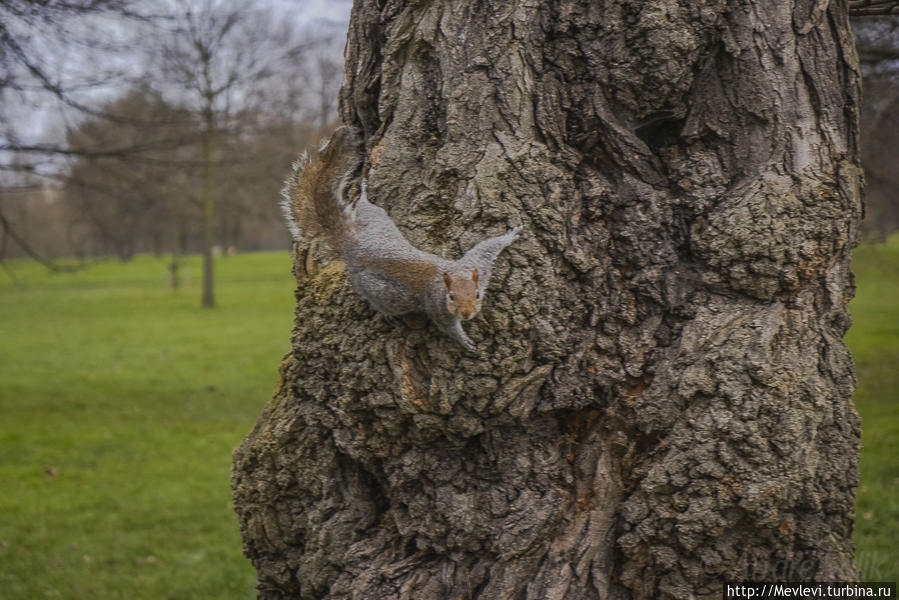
146	198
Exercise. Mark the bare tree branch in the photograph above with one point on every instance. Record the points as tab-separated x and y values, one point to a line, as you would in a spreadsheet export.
869	8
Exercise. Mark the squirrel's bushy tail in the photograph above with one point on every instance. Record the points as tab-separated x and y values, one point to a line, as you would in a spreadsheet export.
313	198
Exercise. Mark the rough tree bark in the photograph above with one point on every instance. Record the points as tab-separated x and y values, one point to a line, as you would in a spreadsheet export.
662	402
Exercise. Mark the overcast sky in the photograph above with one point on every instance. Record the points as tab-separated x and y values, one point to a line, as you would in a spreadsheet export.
336	10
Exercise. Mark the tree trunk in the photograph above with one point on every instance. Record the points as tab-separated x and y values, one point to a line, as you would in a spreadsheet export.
662	400
208	300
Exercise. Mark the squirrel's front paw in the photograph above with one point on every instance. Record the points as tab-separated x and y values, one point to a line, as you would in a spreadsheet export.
463	339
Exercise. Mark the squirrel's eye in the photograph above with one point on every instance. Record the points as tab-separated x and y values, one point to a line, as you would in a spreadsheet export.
452	297
477	295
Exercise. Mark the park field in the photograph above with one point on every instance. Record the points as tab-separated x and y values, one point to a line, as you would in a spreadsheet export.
121	400
120	403
874	341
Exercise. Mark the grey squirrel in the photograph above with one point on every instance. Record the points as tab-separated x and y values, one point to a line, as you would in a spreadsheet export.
383	267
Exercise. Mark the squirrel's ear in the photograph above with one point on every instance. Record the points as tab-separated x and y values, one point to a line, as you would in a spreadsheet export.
447	280
474	275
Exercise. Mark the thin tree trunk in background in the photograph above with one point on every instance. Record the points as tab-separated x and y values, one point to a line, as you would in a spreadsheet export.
208	209
174	273
662	402
176	219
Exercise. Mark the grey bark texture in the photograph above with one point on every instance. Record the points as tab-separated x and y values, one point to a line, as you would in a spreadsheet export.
662	398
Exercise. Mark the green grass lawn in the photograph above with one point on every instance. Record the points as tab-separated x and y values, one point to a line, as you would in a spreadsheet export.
874	340
120	402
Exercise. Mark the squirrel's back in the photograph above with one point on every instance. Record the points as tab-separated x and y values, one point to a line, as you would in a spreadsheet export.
378	245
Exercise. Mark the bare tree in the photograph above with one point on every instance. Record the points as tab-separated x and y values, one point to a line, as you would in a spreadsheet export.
327	79
217	55
661	402
238	68
120	183
255	165
35	40
877	41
